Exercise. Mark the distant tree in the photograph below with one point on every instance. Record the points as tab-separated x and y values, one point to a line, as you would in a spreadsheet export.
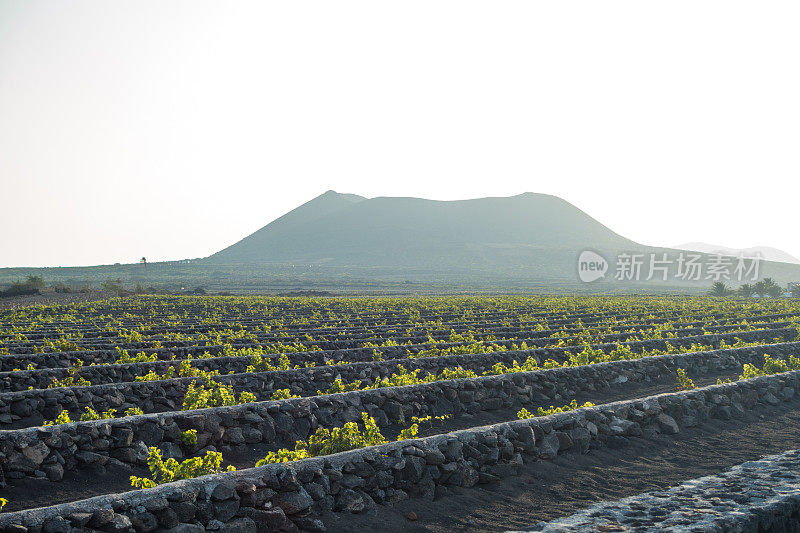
720	289
143	261
60	286
36	282
766	287
760	289
796	290
746	290
32	285
111	285
774	291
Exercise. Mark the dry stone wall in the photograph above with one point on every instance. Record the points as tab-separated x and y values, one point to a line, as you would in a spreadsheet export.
291	495
162	395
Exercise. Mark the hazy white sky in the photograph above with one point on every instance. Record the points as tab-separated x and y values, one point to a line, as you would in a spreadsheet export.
173	129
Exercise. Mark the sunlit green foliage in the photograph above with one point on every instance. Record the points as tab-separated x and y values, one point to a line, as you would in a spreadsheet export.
338	386
62	418
282	394
571	406
73	378
189	438
90	414
400	378
590	329
684	382
411	431
140	357
171	470
212	393
771	366
327	441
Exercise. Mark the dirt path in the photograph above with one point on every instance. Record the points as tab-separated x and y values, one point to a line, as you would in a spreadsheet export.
550	489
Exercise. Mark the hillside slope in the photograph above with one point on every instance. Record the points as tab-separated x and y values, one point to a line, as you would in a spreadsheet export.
255	248
529	230
768	253
344	242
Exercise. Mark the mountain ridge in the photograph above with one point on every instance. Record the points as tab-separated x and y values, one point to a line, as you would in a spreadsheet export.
526	242
422	233
768	253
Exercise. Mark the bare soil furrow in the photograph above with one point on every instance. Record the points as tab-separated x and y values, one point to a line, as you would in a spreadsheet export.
550	489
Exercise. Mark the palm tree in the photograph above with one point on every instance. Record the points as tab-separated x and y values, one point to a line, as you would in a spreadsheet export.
720	289
760	289
774	292
746	290
767	287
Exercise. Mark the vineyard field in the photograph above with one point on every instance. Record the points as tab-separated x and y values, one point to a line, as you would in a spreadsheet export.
479	413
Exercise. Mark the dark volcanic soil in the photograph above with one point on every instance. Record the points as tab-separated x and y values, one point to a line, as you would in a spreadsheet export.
77	485
551	489
28	493
615	393
51	298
